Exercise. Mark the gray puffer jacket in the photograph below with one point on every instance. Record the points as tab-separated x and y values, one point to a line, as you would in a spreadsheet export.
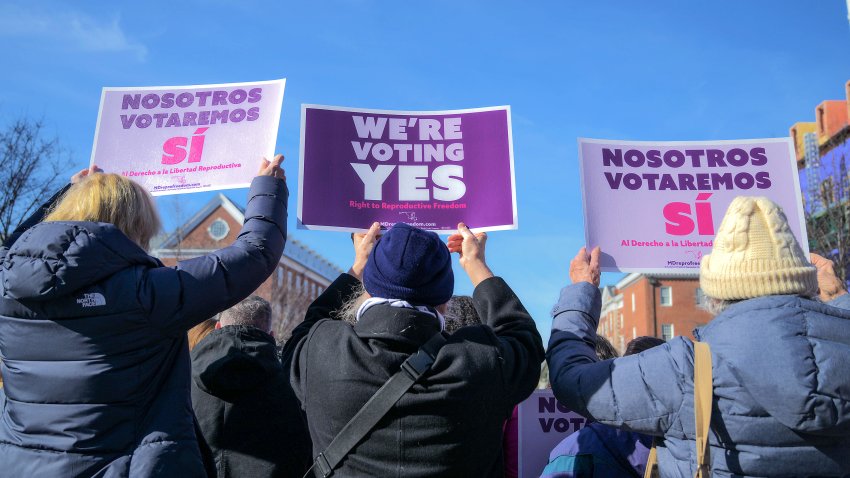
781	376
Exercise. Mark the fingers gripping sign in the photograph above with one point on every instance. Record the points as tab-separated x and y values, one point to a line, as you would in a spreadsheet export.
585	267
363	245
272	168
84	173
829	285
470	248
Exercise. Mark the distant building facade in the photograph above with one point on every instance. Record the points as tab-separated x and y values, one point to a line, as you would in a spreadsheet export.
300	276
663	305
823	158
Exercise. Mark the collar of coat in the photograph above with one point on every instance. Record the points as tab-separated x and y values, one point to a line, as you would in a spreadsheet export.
408	326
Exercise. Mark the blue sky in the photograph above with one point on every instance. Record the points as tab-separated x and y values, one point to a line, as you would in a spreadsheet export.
660	70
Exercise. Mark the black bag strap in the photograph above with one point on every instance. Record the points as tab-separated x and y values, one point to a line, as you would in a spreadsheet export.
377	407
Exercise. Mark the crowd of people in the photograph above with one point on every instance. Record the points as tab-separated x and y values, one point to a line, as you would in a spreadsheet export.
116	366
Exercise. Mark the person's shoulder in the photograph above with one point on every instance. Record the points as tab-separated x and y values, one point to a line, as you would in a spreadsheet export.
329	330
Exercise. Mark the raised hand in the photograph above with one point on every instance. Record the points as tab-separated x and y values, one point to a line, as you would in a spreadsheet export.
83	173
470	248
829	285
363	245
585	268
272	168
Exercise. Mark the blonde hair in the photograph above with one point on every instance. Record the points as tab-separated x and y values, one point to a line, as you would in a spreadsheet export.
110	198
199	332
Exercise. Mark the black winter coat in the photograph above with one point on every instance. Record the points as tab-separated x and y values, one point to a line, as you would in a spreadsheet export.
94	348
450	422
245	407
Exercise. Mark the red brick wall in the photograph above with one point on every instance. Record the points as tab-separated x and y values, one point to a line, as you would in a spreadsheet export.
288	300
683	314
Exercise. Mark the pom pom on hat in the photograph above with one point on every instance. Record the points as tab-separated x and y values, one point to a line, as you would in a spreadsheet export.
410	264
756	254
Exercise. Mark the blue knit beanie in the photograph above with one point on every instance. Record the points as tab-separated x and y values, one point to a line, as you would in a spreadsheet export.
410	264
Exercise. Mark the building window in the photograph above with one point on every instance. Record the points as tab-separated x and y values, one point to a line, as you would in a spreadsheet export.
634	333
700	297
218	229
633	301
289	278
279	276
621	322
666	296
667	332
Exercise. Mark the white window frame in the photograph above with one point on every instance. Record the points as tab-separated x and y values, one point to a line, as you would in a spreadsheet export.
672	332
217	237
661	295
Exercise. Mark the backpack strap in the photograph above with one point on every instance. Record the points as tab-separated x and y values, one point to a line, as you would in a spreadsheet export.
377	407
702	406
651	470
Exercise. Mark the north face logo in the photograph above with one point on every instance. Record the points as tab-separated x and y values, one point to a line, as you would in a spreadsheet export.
92	300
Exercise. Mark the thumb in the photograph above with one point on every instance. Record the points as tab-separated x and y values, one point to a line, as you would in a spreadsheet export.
464	231
373	232
594	257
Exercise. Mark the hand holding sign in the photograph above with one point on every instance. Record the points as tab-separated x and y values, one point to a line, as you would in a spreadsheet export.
584	267
363	245
272	168
83	173
470	247
829	286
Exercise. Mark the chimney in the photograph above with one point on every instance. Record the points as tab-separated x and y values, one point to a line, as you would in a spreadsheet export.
831	118
798	132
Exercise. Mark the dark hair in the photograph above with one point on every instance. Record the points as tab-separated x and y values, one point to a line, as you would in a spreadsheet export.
640	344
460	312
604	349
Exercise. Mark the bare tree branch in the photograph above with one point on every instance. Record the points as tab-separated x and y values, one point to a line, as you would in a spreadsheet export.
290	305
828	215
32	168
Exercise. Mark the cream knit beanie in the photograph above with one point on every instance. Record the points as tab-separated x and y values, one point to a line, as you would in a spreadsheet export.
755	254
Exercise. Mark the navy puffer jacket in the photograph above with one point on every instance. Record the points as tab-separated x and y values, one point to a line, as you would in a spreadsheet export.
781	376
93	341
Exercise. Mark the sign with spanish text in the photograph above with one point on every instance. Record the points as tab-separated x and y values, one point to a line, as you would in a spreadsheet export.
181	139
543	423
429	169
656	206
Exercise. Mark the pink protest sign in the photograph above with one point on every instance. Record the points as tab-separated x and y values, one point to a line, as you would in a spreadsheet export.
180	139
543	423
429	169
656	206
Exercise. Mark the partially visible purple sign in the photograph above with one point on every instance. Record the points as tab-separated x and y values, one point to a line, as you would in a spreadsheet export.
180	139
543	423
656	206
429	169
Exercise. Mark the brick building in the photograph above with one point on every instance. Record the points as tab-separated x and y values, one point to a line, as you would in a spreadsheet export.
663	305
300	276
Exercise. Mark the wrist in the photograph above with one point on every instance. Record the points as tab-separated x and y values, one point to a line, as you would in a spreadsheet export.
356	270
478	271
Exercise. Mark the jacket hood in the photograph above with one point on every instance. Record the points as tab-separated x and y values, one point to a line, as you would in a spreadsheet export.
234	359
55	259
791	355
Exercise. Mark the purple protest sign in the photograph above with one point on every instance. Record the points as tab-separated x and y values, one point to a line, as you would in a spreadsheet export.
180	139
429	169
542	423
655	206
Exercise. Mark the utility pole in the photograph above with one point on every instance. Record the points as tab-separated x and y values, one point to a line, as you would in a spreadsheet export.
655	283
